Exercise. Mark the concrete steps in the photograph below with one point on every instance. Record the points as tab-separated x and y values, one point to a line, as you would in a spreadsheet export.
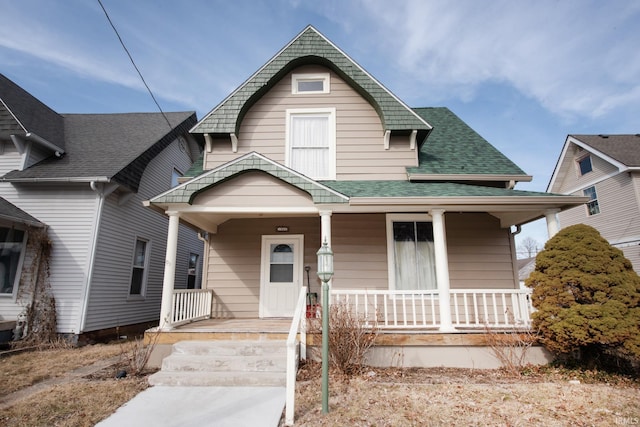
224	363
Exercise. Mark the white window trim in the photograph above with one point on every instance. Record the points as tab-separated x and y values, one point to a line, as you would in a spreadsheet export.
326	83
331	112
390	219
145	275
581	158
16	282
597	199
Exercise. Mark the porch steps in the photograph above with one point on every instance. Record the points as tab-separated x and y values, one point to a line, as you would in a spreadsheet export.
224	363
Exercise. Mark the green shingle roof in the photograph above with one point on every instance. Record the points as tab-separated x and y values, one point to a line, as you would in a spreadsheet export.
309	47
424	189
453	148
186	192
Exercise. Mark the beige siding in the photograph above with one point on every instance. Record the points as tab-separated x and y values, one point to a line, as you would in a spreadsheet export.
619	217
480	256
360	152
573	179
254	189
480	252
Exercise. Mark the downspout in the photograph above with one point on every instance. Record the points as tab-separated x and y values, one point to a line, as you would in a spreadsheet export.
92	253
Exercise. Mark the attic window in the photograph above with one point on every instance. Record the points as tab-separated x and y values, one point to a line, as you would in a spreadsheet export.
310	83
584	165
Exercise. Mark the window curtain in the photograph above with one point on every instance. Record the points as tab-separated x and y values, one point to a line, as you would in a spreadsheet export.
310	145
414	256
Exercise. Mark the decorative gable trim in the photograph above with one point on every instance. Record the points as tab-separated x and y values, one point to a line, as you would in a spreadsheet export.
187	192
310	47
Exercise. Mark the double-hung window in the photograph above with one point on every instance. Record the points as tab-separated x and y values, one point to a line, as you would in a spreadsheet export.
411	253
593	207
311	142
139	270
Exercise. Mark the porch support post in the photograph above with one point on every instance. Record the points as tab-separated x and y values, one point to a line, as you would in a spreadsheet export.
553	226
442	270
325	227
325	235
169	271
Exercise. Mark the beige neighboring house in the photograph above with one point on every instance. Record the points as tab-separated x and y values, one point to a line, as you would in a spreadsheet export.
416	206
605	168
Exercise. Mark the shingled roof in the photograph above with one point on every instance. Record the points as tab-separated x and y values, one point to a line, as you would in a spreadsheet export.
21	113
114	147
453	148
310	47
10	212
623	148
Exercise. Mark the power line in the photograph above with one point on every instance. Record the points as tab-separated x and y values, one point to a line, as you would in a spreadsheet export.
134	64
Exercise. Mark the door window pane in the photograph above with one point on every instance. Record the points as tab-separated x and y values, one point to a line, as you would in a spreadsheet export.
281	263
414	255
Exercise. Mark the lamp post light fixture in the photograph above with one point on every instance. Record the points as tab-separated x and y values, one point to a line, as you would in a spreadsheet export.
325	273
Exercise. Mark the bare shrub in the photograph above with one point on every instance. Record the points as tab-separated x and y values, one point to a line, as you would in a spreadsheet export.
511	347
134	354
349	338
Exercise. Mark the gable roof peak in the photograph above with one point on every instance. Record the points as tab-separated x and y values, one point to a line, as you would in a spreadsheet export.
310	46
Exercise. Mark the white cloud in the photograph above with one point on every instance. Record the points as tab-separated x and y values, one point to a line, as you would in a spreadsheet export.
573	57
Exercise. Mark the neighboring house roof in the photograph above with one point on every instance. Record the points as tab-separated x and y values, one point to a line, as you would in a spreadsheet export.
311	47
22	114
526	267
108	147
623	148
454	150
11	212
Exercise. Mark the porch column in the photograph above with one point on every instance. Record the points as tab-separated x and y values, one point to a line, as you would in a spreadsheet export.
169	271
442	269
553	226
325	234
325	227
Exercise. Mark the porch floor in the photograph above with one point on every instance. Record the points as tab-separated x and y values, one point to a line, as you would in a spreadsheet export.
224	329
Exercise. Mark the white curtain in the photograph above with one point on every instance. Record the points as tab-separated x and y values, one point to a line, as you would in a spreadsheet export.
414	262
310	145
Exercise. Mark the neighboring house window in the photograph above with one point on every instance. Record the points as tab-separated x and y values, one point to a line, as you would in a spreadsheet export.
192	269
311	142
12	243
411	254
174	177
310	83
593	207
139	273
584	164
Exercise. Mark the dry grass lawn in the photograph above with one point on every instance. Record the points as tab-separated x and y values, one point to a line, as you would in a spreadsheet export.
450	397
379	397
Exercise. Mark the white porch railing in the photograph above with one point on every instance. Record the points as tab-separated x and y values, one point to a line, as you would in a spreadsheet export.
470	308
188	305
298	325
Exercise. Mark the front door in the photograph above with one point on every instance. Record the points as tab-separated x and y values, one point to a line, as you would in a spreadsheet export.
280	275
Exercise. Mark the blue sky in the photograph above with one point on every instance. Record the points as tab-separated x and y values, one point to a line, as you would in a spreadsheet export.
523	74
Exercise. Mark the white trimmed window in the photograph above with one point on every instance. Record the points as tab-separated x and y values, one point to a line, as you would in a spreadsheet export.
593	207
311	142
584	165
310	83
139	269
12	245
175	176
411	252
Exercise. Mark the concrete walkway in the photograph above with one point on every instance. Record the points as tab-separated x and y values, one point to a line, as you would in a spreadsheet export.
168	406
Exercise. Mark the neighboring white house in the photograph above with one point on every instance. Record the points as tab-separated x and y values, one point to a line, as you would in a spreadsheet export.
605	168
83	178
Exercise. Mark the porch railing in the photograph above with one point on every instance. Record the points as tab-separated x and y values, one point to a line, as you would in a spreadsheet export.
298	325
188	305
470	308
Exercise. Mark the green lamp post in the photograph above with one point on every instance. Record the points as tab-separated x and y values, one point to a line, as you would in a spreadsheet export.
325	272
